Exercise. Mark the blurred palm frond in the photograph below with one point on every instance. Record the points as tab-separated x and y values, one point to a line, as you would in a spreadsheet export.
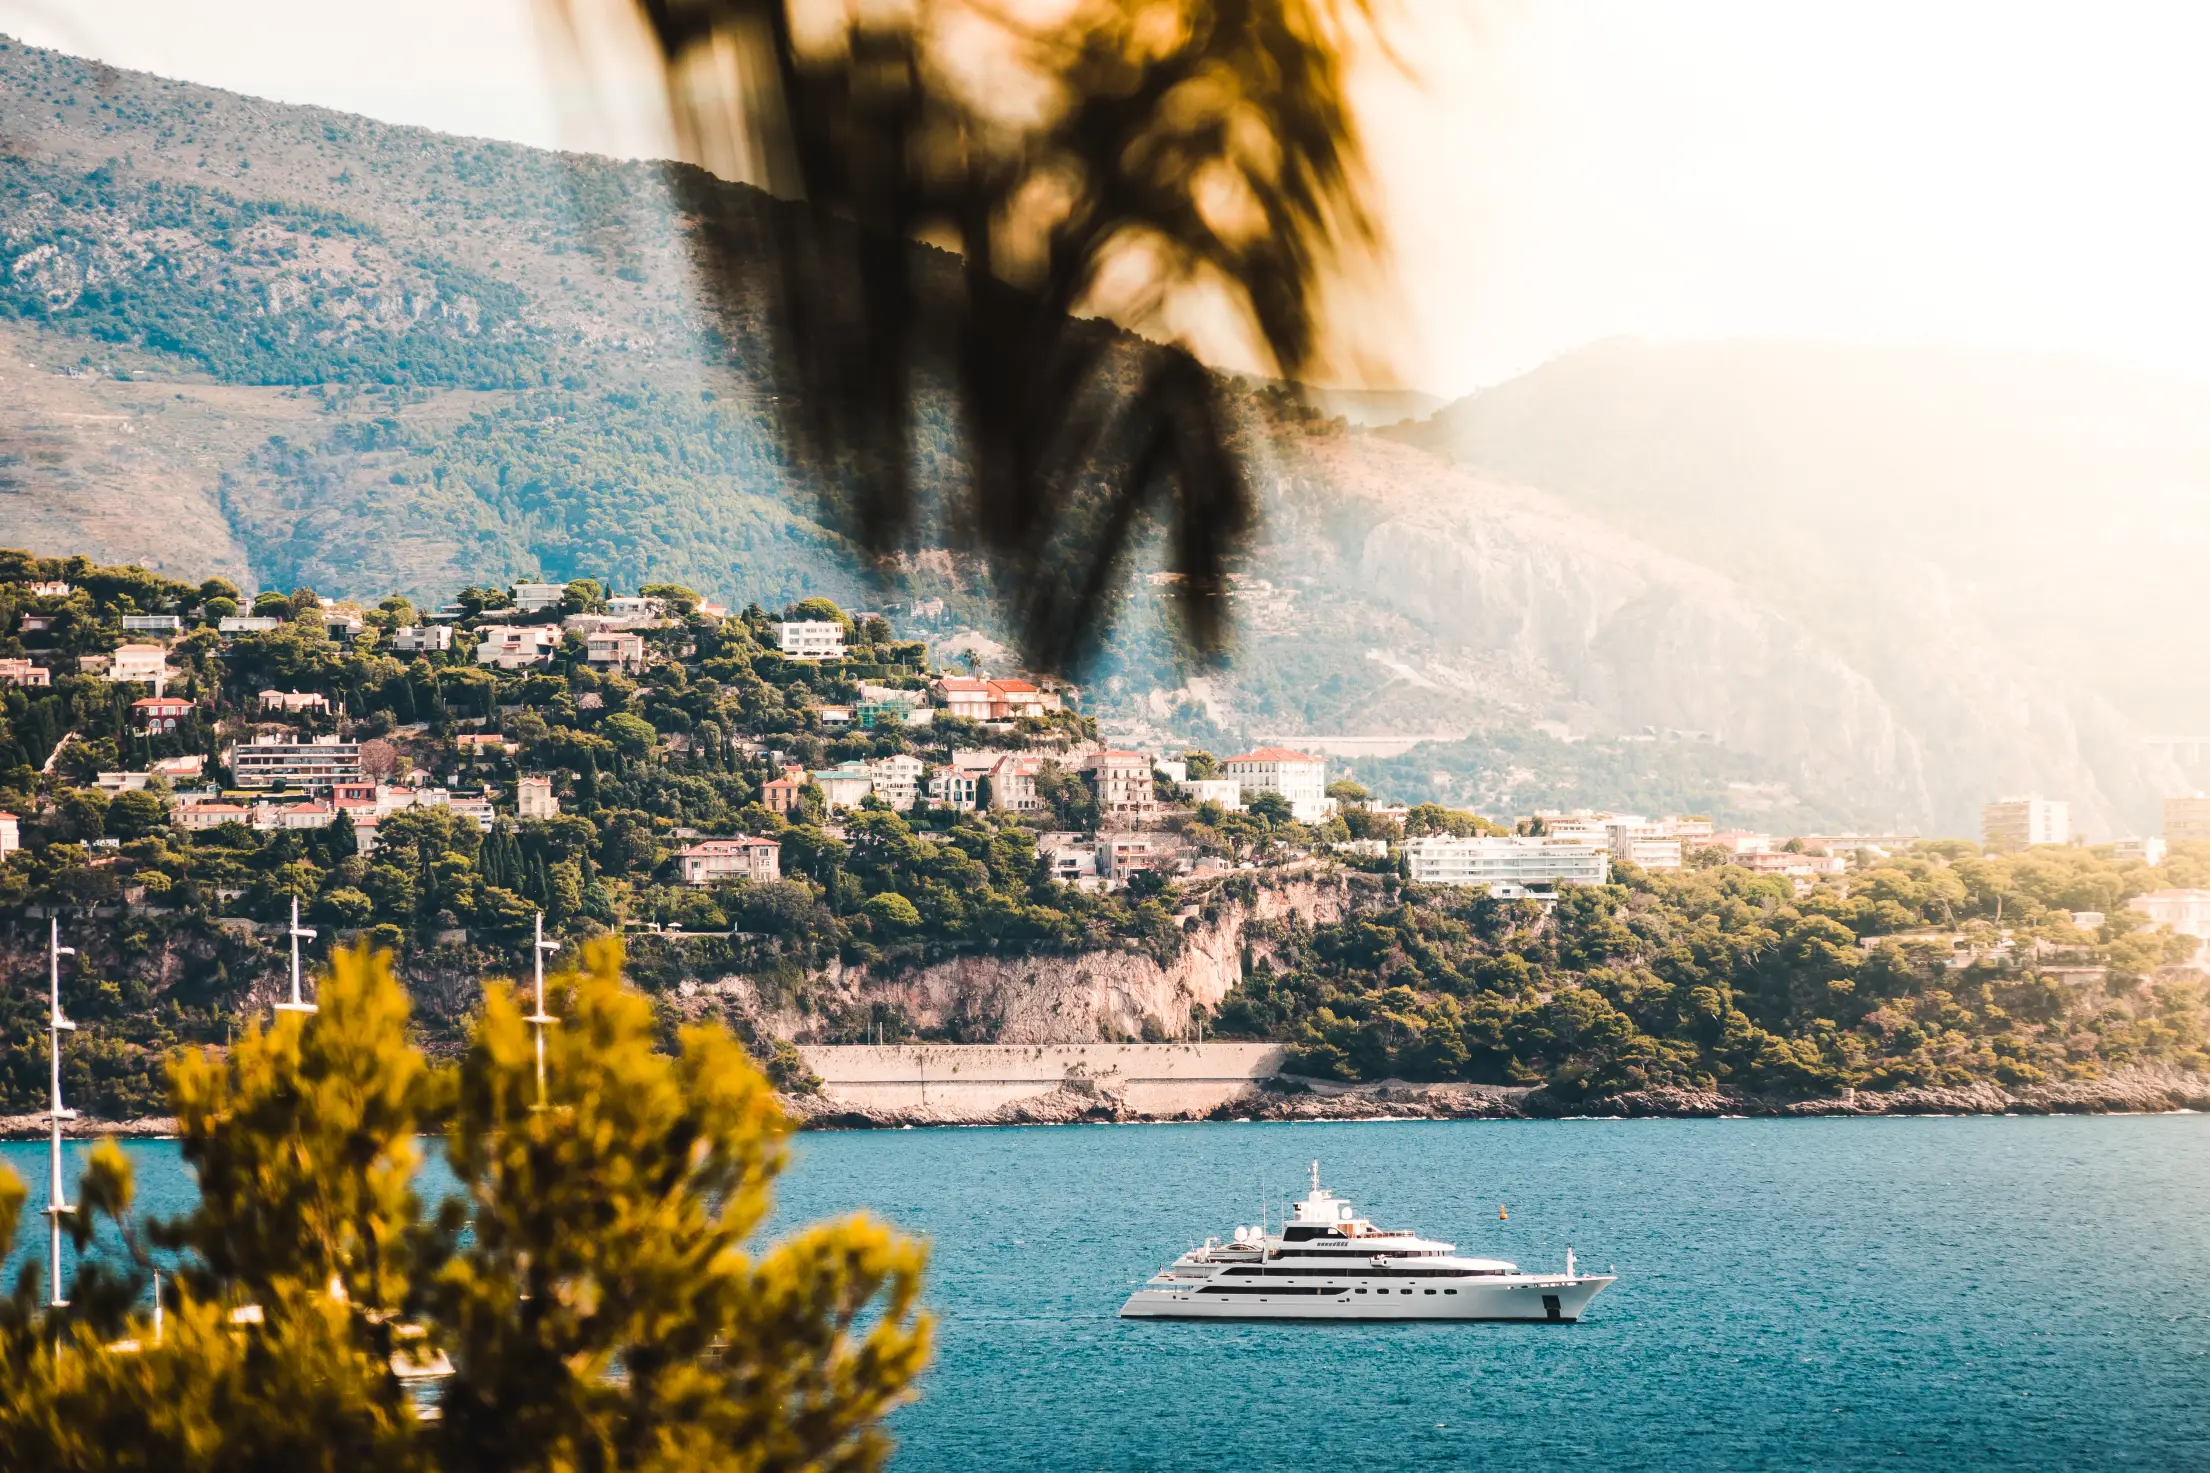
1080	156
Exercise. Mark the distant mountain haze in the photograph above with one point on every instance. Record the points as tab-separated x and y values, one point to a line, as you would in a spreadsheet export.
2008	545
1787	585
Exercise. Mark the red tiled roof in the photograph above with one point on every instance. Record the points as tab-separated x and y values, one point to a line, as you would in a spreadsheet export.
1013	687
163	701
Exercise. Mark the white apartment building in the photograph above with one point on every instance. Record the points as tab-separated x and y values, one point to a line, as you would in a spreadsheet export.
614	647
1225	791
267	760
810	639
897	779
1013	783
1122	781
535	598
534	799
1297	776
2149	851
2185	911
422	639
742	858
953	788
2186	818
845	787
246	624
1642	843
512	647
11	834
147	664
2020	822
152	624
1510	867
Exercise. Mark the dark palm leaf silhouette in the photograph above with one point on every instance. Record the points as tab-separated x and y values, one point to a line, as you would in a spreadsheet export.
1206	141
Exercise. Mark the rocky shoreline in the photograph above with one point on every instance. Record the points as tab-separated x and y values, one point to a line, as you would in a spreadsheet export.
1286	1097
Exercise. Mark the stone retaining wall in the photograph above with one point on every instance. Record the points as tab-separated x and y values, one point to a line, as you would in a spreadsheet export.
971	1081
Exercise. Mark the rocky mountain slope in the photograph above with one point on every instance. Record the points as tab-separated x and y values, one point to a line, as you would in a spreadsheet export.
301	347
2006	546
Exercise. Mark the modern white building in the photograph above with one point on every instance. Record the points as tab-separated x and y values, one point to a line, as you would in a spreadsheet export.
743	858
810	639
2018	823
266	761
1510	867
534	799
954	788
422	639
246	624
535	598
152	624
147	664
517	647
1642	843
615	647
1225	791
1297	776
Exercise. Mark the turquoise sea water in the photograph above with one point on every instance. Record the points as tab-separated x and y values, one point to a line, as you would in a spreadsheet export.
1911	1294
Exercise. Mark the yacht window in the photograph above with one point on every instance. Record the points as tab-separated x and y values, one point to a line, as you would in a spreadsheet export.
1450	1291
1363	1291
1428	1291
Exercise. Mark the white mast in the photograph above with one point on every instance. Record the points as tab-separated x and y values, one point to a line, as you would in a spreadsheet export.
56	1025
540	1020
298	931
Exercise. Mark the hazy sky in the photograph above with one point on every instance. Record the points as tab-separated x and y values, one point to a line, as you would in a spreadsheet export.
2007	174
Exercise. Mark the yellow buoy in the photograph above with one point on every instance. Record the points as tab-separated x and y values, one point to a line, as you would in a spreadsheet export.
1501	1214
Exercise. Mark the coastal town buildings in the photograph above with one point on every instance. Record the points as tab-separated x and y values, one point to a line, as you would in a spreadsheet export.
295	700
24	673
1013	783
952	788
11	834
2020	823
231	624
745	857
168	624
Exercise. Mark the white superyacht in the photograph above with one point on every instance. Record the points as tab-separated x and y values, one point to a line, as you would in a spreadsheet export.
1328	1263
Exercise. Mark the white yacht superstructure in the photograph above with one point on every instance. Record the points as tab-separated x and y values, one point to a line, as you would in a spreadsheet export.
1328	1263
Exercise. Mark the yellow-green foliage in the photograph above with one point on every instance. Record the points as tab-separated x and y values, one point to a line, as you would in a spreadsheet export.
591	1284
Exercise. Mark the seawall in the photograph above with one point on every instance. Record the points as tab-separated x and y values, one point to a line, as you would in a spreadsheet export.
992	1081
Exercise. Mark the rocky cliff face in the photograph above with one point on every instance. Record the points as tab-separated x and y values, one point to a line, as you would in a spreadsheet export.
1086	997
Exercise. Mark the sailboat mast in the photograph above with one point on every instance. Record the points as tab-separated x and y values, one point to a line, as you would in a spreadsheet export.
297	1005
56	1025
540	1020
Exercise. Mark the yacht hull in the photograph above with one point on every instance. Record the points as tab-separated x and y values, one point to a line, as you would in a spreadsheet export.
1533	1300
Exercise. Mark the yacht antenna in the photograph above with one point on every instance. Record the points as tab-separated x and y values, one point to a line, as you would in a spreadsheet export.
540	1020
296	1005
56	1025
1316	1178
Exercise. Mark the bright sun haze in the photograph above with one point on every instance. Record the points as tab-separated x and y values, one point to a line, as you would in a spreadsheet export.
1973	174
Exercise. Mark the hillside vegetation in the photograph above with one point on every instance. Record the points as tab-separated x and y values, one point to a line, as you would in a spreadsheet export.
1937	965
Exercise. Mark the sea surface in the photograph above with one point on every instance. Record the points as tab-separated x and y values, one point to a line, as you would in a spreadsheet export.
1883	1293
